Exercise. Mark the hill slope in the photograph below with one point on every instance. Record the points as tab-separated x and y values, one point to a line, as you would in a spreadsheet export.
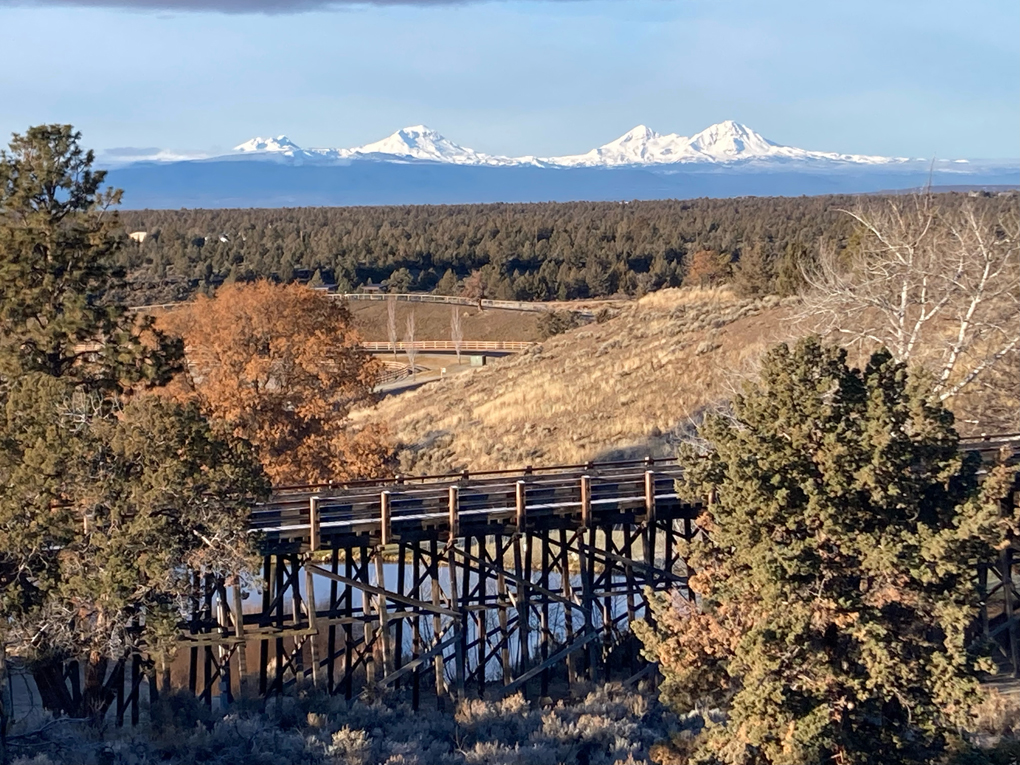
625	387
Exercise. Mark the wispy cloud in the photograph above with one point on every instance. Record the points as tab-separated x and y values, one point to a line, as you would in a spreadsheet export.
228	6
128	154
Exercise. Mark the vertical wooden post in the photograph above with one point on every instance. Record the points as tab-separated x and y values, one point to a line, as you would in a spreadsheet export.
313	524
503	601
193	659
437	623
608	617
454	513
650	520
522	566
629	535
384	627
416	647
310	607
545	633
313	625
462	606
348	623
242	655
334	566
298	604
689	533
982	577
398	626
1006	577
384	518
568	612
522	510
483	614
136	686
368	647
223	653
586	560
267	595
281	564
586	501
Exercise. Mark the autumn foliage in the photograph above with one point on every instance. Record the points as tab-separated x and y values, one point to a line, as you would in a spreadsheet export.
283	366
707	268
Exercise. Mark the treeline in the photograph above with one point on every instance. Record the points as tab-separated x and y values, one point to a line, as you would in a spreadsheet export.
522	251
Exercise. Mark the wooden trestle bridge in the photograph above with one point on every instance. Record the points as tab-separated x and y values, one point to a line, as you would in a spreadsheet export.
467	584
449	585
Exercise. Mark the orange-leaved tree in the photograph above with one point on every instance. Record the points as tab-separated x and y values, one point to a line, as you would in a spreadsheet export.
707	268
283	365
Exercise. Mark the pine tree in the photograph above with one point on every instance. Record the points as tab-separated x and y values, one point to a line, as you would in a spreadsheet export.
448	284
834	582
59	240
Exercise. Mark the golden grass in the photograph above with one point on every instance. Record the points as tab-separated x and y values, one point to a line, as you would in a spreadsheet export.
626	387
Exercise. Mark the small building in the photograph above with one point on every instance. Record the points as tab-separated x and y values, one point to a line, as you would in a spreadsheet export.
138	236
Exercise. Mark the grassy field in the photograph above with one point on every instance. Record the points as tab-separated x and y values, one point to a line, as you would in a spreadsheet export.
629	386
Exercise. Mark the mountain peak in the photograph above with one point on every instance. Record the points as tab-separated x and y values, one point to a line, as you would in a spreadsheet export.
641	132
280	143
418	130
422	142
725	142
731	140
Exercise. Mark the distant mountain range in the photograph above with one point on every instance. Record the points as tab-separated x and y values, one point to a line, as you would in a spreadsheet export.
417	165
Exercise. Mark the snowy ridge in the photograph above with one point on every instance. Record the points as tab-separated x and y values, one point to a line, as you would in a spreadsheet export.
724	143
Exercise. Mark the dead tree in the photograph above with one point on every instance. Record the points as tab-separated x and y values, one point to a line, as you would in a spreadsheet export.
409	347
456	330
391	323
937	286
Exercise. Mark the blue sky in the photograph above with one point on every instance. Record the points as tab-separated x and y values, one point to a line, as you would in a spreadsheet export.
886	77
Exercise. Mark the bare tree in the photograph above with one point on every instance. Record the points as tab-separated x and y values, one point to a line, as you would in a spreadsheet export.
409	347
938	287
391	323
456	330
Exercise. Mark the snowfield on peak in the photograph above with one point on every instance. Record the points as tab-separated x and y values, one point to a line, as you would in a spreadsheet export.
419	142
280	143
722	143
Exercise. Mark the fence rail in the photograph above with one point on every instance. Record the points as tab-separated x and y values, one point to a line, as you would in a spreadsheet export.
466	346
504	305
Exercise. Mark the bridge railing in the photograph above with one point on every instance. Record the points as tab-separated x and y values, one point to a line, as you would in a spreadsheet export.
514	500
466	346
986	445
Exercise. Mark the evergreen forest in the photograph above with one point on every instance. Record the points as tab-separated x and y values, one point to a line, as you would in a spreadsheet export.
550	251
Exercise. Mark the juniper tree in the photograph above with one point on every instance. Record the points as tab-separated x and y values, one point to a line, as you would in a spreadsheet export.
834	582
107	494
106	505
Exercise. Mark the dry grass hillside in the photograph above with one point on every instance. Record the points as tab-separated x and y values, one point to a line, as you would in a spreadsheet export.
628	386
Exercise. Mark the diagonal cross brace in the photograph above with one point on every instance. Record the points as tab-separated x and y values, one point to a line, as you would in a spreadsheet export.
389	595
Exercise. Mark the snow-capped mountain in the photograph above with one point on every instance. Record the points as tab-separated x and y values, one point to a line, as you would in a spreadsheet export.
725	142
419	142
279	144
417	165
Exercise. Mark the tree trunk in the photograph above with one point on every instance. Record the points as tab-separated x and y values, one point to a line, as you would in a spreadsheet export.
3	708
96	696
49	681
